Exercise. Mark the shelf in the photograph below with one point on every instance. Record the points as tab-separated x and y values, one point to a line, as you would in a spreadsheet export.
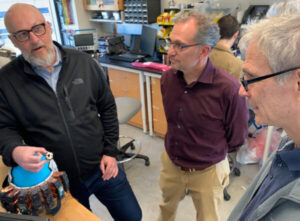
105	20
171	25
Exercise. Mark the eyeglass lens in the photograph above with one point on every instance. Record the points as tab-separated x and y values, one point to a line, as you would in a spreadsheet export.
38	30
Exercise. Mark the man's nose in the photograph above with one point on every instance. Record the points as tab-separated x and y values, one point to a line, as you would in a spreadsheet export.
171	51
243	92
33	37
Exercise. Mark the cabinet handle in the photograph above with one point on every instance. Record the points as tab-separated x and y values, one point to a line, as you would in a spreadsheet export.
123	76
124	90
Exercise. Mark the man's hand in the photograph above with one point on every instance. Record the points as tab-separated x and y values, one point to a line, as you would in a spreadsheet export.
109	167
29	158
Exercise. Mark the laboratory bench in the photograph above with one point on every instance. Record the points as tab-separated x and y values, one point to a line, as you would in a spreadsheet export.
143	84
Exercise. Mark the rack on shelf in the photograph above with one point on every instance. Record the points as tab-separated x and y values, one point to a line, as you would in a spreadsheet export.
141	11
165	21
111	5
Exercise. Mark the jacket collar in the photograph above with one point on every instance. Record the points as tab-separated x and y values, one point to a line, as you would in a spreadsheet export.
290	156
220	47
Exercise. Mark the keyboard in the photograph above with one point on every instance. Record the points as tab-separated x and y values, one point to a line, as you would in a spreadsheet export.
128	57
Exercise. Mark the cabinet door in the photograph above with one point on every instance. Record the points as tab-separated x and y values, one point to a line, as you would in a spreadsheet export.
126	84
109	5
91	4
158	113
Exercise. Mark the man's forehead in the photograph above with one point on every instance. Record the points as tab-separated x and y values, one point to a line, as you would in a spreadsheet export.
184	30
23	19
255	62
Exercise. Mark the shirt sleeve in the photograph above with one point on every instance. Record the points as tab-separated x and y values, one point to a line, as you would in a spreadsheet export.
108	114
236	122
9	135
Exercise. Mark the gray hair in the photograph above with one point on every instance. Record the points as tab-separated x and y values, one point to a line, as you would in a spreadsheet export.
275	9
287	7
207	30
278	38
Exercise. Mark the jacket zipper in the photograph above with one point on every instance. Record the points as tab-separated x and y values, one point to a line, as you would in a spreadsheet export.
68	102
69	135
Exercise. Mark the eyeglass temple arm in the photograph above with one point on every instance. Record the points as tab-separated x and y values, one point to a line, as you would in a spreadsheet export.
270	75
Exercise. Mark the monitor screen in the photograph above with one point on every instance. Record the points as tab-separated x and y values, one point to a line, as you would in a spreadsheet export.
84	39
147	41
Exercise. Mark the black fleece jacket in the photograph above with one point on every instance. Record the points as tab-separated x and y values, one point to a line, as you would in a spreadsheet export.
78	123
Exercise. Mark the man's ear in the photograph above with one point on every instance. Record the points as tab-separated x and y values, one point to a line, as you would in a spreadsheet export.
297	72
236	34
49	25
297	90
205	50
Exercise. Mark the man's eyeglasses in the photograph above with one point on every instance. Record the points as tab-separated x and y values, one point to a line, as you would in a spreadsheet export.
24	35
180	47
245	83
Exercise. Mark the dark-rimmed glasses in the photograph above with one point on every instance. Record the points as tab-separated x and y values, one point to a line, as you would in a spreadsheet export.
245	83
179	46
24	35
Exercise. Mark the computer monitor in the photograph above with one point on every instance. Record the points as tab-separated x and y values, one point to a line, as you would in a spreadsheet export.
86	42
254	13
147	40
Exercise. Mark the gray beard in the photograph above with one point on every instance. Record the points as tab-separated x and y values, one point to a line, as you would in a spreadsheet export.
40	62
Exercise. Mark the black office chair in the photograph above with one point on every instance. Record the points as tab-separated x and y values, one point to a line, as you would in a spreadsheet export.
129	148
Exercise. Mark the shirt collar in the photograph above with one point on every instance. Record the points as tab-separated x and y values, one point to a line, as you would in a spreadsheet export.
58	56
290	156
222	48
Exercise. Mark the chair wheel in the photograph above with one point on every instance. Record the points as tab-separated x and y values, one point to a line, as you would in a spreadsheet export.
226	194
187	192
227	197
237	171
147	163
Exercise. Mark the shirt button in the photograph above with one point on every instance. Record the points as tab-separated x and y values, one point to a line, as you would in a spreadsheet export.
176	143
178	126
180	109
185	92
280	164
271	177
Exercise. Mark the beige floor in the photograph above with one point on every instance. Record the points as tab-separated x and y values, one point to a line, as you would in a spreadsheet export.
144	181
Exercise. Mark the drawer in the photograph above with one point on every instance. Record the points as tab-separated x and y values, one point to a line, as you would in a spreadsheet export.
155	90
137	120
159	127
126	84
123	76
126	91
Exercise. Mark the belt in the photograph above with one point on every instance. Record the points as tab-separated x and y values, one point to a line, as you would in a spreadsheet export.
189	169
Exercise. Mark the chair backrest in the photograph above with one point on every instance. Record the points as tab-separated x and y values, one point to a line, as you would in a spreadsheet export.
127	107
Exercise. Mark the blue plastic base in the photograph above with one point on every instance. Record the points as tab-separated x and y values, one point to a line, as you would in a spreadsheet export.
25	178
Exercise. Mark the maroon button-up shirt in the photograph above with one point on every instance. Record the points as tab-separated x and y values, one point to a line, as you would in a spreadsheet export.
206	118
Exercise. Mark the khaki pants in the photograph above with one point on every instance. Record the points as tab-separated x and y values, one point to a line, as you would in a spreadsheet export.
71	209
205	187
